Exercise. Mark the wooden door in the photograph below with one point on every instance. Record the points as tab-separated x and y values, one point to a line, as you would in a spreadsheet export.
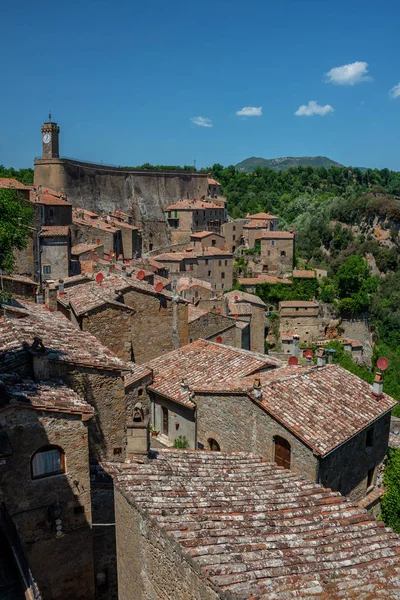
282	452
165	420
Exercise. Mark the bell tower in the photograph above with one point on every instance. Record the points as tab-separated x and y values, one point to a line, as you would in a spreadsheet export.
50	133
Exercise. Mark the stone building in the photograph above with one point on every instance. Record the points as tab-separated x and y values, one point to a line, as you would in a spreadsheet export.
189	216
193	289
250	283
251	309
255	225
128	315
233	234
213	326
204	239
277	251
302	318
173	409
212	265
218	525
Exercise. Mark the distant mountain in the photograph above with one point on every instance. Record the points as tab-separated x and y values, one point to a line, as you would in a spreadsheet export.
282	164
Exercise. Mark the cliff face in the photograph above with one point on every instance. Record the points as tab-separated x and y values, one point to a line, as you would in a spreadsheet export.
143	194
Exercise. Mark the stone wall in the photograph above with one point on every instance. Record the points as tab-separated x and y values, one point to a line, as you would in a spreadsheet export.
272	257
142	194
309	328
212	325
19	288
237	423
151	566
346	469
137	392
110	240
62	567
55	252
112	327
153	324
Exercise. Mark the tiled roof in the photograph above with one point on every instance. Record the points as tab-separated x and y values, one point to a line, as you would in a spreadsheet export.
195	312
193	205
173	256
323	406
244	297
239	308
208	252
46	395
96	224
21	279
47	196
89	296
9	182
277	235
263	278
202	362
64	341
54	231
82	248
298	304
203	234
262	215
305	274
259	532
185	283
136	373
256	225
211	181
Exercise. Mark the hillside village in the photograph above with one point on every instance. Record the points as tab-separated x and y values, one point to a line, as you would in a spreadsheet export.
176	420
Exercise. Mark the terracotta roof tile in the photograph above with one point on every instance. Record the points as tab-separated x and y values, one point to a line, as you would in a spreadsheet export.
263	278
137	372
244	297
194	205
21	279
262	215
211	181
46	395
47	196
202	362
298	304
82	248
90	296
9	182
202	234
54	231
239	308
259	532
306	274
277	235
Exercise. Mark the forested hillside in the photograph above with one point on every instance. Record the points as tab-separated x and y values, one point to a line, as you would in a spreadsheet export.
287	162
346	221
23	175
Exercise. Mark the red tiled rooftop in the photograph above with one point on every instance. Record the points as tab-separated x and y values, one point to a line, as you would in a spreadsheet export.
262	216
9	182
47	196
46	395
263	278
54	231
195	312
211	181
306	274
90	296
277	235
244	297
203	234
239	308
298	304
200	363
259	532
136	373
82	248
194	205
21	279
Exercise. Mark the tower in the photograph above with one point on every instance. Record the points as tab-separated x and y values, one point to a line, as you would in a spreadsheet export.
50	133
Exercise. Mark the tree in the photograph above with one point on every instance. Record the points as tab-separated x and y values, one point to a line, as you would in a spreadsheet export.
15	219
351	276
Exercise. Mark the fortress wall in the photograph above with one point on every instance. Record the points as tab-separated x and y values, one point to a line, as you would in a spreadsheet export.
143	194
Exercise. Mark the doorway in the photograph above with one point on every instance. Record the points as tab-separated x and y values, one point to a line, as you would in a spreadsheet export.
282	452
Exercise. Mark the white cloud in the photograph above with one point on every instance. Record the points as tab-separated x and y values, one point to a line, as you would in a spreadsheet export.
395	91
201	121
250	111
351	74
313	108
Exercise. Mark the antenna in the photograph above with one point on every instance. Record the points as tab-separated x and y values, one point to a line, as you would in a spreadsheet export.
50	117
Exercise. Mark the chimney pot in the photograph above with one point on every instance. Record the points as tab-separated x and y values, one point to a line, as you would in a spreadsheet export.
257	388
321	358
377	386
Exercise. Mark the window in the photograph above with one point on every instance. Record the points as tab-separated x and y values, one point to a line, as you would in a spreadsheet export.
206	261
150	247
196	294
234	237
297	308
283	253
47	461
169	214
269	252
370	438
213	242
272	242
222	286
209	273
226	263
213	445
176	214
51	212
222	275
220	263
140	392
46	269
234	229
282	452
265	268
164	420
191	340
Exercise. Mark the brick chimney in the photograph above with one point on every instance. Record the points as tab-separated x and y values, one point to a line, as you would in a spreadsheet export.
321	358
50	294
257	388
377	386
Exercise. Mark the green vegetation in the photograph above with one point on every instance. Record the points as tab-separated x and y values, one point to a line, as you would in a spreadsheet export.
301	289
25	176
391	500
15	219
181	442
282	164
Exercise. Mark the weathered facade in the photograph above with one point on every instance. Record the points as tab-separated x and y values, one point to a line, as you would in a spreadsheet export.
277	250
301	318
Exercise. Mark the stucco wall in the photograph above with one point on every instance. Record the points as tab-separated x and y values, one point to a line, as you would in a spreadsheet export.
55	252
151	566
237	423
181	419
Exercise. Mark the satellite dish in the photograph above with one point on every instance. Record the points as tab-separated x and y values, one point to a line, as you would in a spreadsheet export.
236	298
218	310
219	340
155	269
382	363
99	277
308	353
236	316
141	275
159	286
293	361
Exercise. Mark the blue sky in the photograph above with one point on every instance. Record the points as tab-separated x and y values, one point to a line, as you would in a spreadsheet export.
124	80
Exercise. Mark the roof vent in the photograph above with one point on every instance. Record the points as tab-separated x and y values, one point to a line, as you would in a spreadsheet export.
184	385
377	386
321	358
257	388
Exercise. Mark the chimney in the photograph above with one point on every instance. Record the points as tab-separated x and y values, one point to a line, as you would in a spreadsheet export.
296	345
257	389
61	287
120	258
123	272
184	385
330	352
111	267
377	386
308	361
50	294
321	358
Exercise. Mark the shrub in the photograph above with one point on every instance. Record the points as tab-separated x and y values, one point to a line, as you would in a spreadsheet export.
181	442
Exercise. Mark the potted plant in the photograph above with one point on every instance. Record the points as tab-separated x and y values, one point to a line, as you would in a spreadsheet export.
153	431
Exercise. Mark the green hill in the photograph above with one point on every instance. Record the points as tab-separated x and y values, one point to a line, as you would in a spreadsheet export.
282	164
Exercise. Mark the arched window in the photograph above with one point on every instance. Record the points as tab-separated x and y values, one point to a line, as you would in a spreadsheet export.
282	452
49	460
213	445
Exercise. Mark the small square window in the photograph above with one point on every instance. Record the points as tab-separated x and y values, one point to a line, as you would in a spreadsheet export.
234	237
226	263
46	269
206	261
272	242
234	228
220	263
222	275
140	392
209	273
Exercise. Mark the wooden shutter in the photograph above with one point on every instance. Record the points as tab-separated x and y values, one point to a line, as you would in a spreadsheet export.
282	452
165	420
